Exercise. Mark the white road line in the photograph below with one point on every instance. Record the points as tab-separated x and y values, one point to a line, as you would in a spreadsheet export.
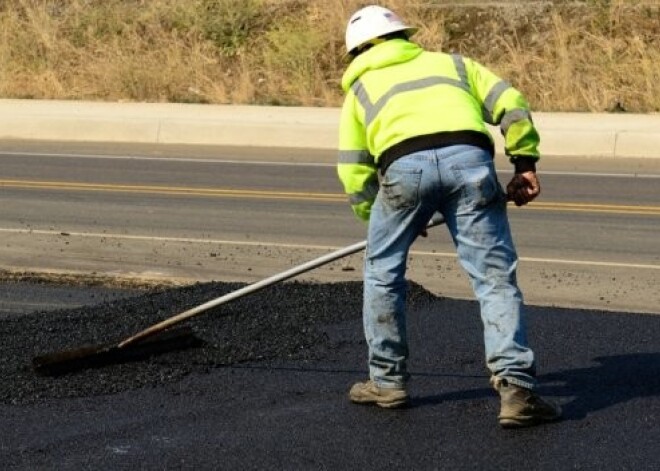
306	247
597	174
287	164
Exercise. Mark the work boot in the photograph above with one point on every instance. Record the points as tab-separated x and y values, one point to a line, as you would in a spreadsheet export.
370	393
522	407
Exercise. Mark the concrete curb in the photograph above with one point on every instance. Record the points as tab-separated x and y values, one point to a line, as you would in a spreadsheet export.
563	134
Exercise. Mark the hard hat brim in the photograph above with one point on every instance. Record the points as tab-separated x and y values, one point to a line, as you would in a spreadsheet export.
409	30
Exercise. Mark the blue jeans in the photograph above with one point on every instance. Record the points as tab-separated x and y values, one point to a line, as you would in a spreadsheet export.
459	182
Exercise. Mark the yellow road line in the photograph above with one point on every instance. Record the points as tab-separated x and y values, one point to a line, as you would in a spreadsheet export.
166	190
301	196
594	208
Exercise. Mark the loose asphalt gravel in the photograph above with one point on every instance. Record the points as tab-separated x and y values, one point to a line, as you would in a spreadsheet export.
272	324
268	390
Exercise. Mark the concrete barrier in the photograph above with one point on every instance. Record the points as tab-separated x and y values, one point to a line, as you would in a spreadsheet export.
575	134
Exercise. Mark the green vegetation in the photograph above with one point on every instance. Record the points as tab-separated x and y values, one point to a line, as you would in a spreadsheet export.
596	55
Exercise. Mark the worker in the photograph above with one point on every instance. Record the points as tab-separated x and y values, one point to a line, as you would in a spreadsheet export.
413	142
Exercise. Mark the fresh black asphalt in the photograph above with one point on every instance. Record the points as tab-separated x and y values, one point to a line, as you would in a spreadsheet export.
268	390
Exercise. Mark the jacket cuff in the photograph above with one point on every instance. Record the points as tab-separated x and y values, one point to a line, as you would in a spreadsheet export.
525	164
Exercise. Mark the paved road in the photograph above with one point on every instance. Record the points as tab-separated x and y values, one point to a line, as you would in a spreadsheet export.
243	214
290	411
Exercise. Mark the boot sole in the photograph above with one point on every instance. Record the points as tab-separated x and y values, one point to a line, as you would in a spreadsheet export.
385	405
510	422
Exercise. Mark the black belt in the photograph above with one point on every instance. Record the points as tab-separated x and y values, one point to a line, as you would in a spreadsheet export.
434	141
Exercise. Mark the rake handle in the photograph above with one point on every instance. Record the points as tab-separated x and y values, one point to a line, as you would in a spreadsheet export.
251	288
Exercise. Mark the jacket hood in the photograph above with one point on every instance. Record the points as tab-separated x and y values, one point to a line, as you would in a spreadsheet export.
394	51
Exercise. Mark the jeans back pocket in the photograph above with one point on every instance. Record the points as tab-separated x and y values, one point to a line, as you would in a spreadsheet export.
400	187
479	184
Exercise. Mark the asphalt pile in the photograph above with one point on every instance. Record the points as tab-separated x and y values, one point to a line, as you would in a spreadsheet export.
286	321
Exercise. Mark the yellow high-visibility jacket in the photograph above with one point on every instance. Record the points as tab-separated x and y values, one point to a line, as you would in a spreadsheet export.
396	91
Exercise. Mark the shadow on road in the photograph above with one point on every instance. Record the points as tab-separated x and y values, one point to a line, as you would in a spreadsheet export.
614	380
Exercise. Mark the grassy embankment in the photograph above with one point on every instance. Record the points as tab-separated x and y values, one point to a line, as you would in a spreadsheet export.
599	55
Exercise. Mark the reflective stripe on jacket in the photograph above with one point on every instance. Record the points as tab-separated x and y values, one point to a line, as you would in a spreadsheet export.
396	91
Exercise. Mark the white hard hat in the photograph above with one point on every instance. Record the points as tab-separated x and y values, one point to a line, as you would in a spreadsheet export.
372	22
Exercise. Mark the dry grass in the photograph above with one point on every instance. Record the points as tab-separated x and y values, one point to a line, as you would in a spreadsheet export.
594	55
